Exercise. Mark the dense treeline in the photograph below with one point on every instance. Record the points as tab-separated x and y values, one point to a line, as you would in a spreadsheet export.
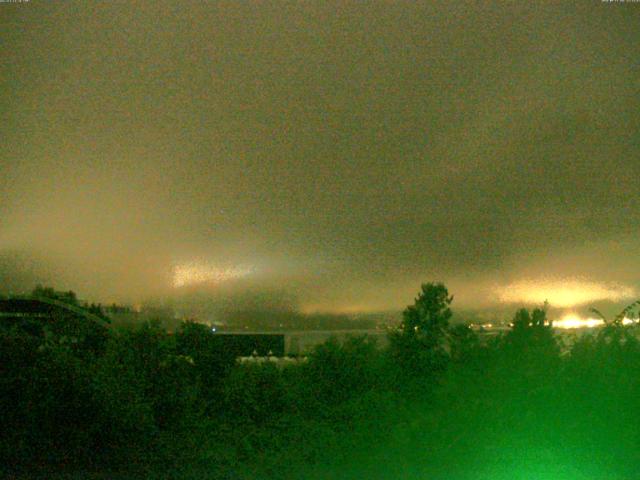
438	403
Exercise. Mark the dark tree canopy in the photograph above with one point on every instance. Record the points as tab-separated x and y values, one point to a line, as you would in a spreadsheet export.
430	314
49	292
419	344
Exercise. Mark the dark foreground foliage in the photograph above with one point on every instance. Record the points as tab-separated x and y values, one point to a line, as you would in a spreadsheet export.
439	403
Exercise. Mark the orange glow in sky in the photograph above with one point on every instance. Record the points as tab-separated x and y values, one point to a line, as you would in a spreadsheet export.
562	293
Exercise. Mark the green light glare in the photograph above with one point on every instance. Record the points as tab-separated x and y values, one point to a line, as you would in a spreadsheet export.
534	464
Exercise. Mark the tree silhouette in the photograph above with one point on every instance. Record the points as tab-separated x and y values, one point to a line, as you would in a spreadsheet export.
530	344
49	292
626	312
419	345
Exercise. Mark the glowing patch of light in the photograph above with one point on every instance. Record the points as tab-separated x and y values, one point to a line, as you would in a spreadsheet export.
561	293
573	321
194	273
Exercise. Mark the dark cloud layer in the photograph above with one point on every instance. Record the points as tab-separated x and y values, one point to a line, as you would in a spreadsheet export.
344	151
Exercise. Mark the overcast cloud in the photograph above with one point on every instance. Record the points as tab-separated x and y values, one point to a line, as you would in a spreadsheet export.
341	152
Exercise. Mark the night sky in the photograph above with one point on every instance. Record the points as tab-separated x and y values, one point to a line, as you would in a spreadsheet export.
337	154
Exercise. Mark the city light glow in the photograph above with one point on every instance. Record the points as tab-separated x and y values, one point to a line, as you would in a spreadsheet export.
574	321
562	293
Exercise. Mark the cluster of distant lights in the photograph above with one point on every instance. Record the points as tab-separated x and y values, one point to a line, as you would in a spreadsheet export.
567	322
194	273
565	293
573	321
561	294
